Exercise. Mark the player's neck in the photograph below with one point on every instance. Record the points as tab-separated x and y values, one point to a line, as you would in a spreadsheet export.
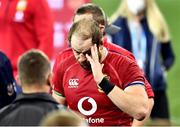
35	89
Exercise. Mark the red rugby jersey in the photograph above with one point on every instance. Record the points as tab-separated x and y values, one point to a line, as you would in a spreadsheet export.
82	93
111	47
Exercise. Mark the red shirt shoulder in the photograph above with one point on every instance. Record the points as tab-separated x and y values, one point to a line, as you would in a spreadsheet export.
115	48
59	72
122	70
62	56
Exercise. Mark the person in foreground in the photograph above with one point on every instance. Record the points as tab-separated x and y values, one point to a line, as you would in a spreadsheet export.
7	81
106	87
95	12
64	118
35	102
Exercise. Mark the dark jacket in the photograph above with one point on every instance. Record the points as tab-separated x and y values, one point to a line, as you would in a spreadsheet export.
27	109
7	81
159	56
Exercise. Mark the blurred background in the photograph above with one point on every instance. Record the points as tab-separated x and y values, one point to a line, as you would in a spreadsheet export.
62	13
171	11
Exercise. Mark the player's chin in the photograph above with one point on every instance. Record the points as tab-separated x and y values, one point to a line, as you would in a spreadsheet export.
86	65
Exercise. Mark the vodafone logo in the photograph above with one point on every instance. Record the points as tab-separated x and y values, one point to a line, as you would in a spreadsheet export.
90	100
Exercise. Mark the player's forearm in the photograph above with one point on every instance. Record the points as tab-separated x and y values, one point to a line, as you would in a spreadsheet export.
133	104
59	99
137	123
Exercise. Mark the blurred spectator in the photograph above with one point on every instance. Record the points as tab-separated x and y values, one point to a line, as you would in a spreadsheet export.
25	24
63	11
144	32
64	118
7	82
35	102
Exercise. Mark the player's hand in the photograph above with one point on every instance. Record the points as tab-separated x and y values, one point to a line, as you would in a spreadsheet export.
96	66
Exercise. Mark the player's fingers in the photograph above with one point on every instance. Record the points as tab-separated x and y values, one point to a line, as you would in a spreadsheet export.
102	65
96	50
89	58
95	53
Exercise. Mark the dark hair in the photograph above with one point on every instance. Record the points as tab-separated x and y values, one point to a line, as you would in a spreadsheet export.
33	67
96	11
86	28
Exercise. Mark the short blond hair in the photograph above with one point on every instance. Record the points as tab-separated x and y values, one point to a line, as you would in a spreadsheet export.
63	118
86	29
33	67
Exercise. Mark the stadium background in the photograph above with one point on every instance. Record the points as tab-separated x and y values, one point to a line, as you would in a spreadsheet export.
171	11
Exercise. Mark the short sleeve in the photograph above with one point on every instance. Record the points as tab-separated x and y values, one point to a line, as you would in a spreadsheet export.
58	74
149	90
131	74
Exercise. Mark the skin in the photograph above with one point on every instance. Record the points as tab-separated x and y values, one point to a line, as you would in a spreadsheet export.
35	88
79	51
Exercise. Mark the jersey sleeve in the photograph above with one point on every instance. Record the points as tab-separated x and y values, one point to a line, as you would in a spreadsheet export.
149	90
62	56
131	74
57	61
58	80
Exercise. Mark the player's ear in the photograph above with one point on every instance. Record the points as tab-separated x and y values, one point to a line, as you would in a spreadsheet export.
100	47
102	28
49	79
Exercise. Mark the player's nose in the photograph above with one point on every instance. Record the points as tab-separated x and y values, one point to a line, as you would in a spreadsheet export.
82	58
